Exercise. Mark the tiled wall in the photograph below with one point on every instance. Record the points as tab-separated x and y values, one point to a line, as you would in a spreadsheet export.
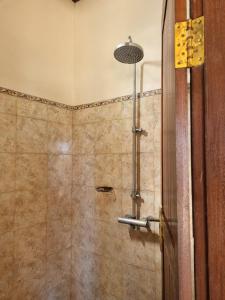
49	167
35	200
108	261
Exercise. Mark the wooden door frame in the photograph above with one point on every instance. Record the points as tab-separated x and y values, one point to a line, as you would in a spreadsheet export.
183	174
182	168
198	170
208	154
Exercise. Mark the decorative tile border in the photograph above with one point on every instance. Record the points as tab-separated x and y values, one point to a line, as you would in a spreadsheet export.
115	100
34	98
76	107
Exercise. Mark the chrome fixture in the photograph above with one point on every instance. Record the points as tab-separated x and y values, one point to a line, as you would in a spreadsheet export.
131	53
145	222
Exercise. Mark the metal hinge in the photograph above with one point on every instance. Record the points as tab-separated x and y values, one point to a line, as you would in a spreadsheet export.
189	43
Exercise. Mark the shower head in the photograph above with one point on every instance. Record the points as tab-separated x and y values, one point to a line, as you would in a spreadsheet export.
129	52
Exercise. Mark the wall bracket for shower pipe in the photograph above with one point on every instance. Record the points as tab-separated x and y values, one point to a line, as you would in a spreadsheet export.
137	130
135	195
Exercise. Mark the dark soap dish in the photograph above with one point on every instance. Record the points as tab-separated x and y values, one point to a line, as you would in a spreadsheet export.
104	189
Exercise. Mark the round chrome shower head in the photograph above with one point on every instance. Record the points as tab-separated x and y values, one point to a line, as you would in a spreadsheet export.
129	53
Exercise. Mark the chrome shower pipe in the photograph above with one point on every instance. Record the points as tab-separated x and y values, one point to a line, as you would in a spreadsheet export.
135	130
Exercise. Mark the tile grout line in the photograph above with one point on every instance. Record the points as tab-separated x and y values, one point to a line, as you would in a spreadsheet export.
15	188
71	217
47	204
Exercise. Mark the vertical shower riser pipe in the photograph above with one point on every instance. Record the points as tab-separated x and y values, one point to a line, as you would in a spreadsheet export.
134	152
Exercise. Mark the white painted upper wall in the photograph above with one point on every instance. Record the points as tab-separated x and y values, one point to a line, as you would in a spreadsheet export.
64	51
100	26
37	47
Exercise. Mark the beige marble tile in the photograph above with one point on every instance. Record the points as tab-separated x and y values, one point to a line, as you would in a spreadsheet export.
84	170
27	288
157	103
145	140
61	115
30	254
7	104
59	268
138	247
109	112
83	116
112	277
59	138
127	171
139	284
158	199
99	274
146	106
98	113
59	204
86	274
108	170
32	109
7	133
30	243
87	203
145	171
109	137
99	237
108	206
7	212
157	172
30	208
31	135
85	138
7	244
145	205
31	171
83	202
81	291
127	135
59	292
58	236
103	296
59	171
157	130
7	172
158	285
127	109
6	277
26	270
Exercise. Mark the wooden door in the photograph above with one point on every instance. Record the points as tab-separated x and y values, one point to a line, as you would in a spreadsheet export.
177	275
208	154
